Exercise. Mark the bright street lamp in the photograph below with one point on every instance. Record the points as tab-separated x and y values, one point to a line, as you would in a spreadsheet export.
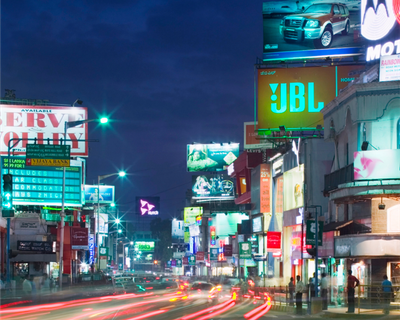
117	221
103	120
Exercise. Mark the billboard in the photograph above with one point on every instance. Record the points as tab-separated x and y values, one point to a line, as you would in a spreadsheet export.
144	246
177	231
211	157
44	185
213	187
265	190
293	182
79	238
389	68
190	214
107	194
377	164
103	223
42	122
257	224
294	97
148	206
310	29
251	140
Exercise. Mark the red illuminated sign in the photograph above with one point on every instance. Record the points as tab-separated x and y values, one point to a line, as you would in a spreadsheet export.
200	256
185	261
273	240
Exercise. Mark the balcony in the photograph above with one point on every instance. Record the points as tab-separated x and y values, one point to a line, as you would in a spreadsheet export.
334	179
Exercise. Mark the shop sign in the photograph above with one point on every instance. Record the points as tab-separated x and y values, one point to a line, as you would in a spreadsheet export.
265	182
173	263
389	68
273	240
245	250
240	238
310	232
178	263
200	256
25	224
169	264
79	238
213	236
103	251
91	248
251	140
228	250
257	224
35	246
190	214
213	253
192	260
185	261
277	254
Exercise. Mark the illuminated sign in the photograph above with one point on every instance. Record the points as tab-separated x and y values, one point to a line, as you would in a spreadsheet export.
144	245
294	97
310	29
190	214
257	225
273	240
177	231
293	181
42	123
213	236
265	190
377	164
389	68
211	157
148	206
44	185
213	187
380	22
106	194
91	248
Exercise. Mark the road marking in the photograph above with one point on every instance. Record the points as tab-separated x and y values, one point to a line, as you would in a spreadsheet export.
168	307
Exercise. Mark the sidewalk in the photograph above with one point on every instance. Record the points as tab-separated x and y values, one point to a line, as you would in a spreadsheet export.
340	312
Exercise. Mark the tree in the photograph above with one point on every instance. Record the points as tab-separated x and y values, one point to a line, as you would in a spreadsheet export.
161	230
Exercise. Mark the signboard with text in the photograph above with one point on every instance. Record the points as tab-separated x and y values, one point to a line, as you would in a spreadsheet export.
200	256
148	206
245	250
213	253
192	260
389	68
293	184
107	194
273	240
42	123
310	232
35	246
190	214
79	238
213	187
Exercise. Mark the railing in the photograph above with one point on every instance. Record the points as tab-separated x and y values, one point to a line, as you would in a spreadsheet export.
343	175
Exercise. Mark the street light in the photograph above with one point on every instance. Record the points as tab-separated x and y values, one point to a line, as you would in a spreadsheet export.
67	124
99	178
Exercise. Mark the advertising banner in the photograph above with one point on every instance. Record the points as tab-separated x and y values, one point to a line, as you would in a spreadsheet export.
377	164
35	246
190	214
293	181
185	261
42	123
251	140
294	97
273	240
192	260
144	245
179	263
79	238
103	223
257	224
177	231
107	194
214	254
245	250
228	250
310	232
211	157
200	256
148	206
194	230
173	263
265	190
44	185
389	68
310	29
213	187
91	248
103	251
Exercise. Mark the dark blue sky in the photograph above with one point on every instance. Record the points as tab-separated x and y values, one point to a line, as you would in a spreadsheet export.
167	72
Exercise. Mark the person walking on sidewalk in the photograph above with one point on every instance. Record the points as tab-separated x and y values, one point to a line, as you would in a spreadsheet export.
387	294
299	295
324	291
291	291
352	283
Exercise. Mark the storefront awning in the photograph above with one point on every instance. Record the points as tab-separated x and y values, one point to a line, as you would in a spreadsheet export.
26	257
347	227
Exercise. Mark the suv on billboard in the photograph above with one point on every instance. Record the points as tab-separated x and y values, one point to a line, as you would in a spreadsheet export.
319	22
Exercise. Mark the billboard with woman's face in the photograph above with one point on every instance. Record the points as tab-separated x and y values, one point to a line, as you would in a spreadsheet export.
211	157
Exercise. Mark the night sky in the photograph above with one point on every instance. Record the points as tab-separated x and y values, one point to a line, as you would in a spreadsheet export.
167	73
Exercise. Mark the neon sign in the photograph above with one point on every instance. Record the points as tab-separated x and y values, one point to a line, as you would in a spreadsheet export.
213	236
147	207
378	20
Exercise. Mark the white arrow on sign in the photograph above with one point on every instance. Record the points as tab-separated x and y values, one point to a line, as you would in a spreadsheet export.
7	196
8	205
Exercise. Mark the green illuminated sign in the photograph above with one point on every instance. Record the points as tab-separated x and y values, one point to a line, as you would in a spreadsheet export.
43	185
144	245
48	151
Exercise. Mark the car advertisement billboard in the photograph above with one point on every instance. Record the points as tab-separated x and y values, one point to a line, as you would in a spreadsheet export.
311	29
42	123
44	185
190	214
107	194
294	97
211	157
148	206
293	182
213	187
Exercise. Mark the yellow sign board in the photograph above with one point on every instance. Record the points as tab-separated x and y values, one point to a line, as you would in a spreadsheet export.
47	162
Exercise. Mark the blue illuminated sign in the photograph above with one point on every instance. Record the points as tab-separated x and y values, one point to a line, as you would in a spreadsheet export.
106	194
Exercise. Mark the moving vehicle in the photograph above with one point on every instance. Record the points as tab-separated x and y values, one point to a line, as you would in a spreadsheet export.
319	22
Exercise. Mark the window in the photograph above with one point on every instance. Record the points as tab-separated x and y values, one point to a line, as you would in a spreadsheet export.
393	219
147	236
342	11
336	10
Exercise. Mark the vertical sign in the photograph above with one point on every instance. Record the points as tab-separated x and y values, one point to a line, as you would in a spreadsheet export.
91	248
213	236
185	261
265	200
192	260
245	250
200	256
214	254
273	240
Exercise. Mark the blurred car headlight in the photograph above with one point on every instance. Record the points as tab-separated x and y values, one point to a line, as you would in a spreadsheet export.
312	24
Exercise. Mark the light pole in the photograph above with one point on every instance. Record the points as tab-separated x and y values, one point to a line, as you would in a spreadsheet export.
97	226
316	246
68	124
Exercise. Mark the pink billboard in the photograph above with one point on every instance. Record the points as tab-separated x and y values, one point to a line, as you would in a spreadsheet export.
377	164
42	122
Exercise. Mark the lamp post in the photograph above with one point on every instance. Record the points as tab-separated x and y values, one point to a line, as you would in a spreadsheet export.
316	246
97	226
68	124
130	243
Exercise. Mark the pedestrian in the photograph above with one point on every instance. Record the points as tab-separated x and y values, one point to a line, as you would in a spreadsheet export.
299	295
291	291
27	287
387	294
47	284
352	283
324	291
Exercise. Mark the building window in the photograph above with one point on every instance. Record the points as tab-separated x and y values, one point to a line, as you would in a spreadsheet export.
393	219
